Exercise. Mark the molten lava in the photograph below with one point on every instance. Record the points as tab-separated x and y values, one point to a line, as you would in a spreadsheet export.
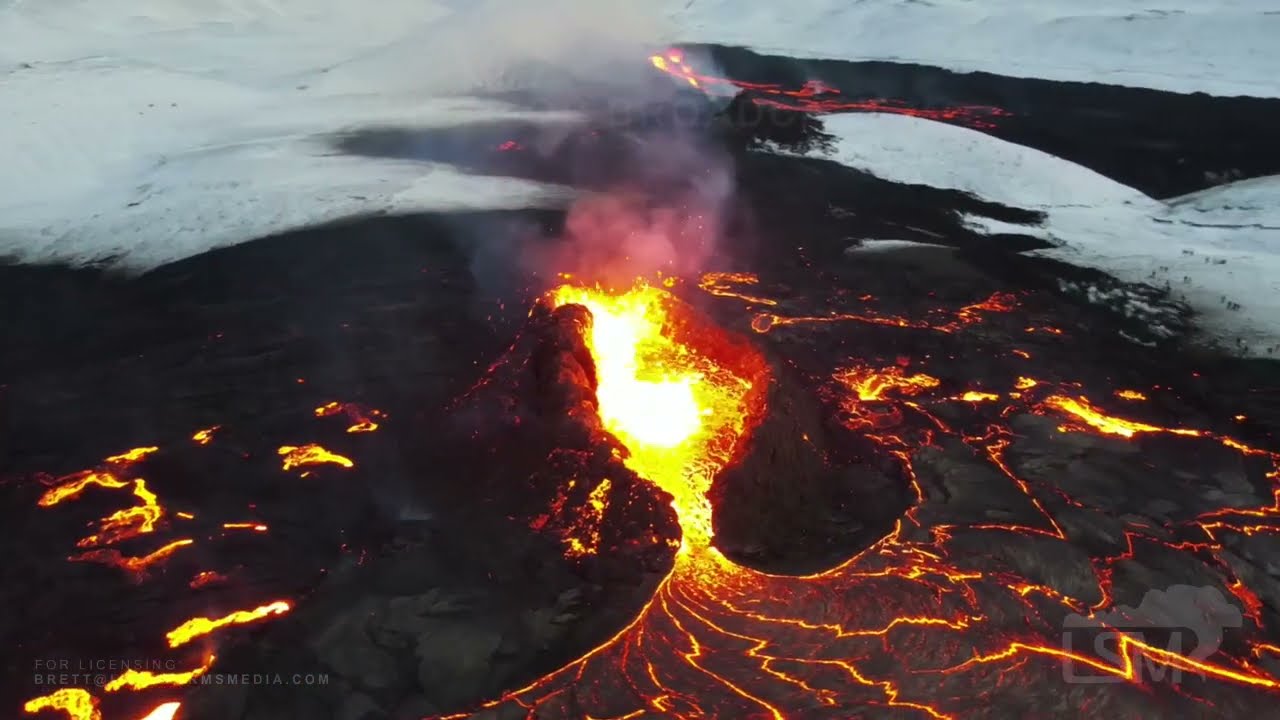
720	640
817	97
148	517
198	627
296	456
907	628
678	413
362	419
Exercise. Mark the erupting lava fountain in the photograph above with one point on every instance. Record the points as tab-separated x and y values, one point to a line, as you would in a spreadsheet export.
678	412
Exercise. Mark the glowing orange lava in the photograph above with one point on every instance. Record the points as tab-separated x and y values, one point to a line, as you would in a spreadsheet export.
205	578
163	711
256	527
197	627
817	97
75	703
678	413
205	436
296	456
861	639
1082	410
871	384
142	679
722	284
361	419
899	630
80	704
129	522
146	518
132	564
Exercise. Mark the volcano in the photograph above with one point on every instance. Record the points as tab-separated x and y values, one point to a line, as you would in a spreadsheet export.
362	471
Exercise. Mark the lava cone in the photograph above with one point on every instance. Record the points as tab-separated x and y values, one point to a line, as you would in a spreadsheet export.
804	493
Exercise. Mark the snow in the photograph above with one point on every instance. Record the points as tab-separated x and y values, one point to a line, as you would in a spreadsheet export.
1242	203
1215	250
150	130
875	245
1222	47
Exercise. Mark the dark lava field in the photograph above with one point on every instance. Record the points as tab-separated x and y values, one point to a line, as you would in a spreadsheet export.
376	469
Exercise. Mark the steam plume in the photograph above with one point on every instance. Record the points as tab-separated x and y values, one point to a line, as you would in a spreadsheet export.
661	209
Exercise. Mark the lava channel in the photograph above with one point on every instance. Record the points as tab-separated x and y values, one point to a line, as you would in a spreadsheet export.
902	629
817	97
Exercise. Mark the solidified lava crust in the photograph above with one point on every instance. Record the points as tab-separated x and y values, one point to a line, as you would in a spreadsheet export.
719	639
889	486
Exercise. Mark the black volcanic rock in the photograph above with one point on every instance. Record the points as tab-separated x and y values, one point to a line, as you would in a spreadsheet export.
1163	143
748	122
447	573
456	609
788	503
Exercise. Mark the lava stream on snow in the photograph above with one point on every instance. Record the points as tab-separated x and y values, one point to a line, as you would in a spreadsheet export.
817	97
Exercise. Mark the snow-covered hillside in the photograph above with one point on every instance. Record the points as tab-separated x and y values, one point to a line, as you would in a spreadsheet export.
1222	47
1218	250
150	130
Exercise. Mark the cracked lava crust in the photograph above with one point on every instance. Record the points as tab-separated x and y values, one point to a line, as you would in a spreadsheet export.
659	422
873	491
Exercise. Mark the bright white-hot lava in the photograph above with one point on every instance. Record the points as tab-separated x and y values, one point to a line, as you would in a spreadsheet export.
678	412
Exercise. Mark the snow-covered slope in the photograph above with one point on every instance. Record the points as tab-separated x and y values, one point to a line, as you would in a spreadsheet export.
1219	250
1243	204
154	129
1222	47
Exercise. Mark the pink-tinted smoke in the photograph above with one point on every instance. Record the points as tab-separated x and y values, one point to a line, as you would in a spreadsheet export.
665	218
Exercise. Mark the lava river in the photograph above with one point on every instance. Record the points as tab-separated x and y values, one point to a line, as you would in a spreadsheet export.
900	630
922	624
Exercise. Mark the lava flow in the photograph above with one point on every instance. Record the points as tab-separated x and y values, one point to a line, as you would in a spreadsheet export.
678	413
817	97
943	617
146	518
903	629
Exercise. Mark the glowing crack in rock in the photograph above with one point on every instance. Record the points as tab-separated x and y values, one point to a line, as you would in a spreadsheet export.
75	703
362	419
817	97
132	456
163	711
720	640
141	519
296	456
197	627
578	528
205	436
80	704
130	522
256	527
142	679
204	578
135	565
145	519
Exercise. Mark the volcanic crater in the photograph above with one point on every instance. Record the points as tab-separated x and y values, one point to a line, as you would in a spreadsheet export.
351	473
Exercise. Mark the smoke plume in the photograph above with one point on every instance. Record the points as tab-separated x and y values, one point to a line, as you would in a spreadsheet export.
545	47
667	218
666	190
